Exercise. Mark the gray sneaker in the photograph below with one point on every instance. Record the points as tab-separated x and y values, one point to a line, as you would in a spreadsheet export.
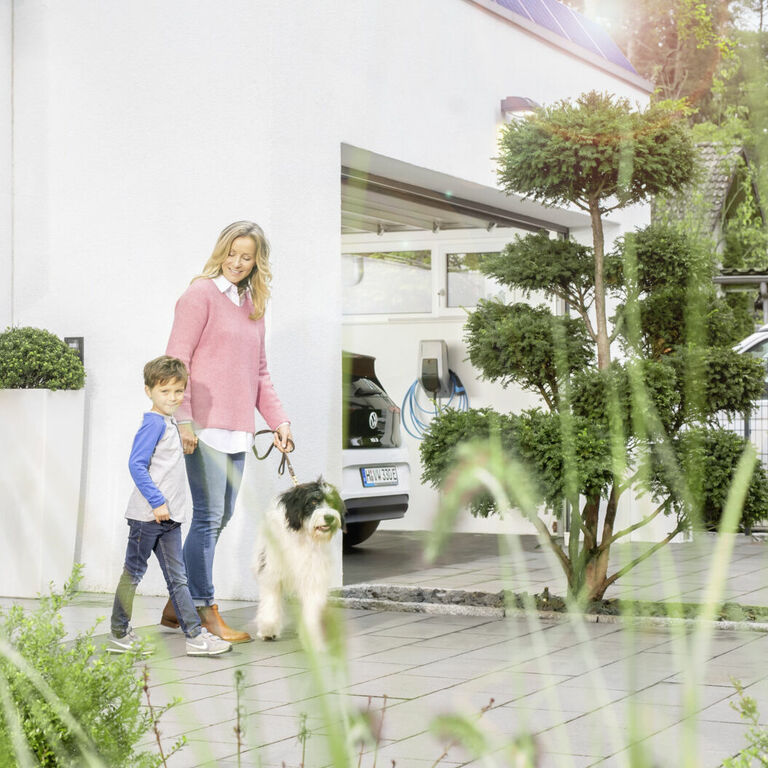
128	643
206	644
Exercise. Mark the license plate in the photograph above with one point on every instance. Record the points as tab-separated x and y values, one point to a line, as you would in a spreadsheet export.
374	476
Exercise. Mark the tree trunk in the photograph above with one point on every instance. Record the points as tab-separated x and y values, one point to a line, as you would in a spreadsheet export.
603	341
597	568
580	559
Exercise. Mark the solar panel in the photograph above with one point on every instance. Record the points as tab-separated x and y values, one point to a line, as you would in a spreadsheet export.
515	6
570	22
539	13
603	40
570	25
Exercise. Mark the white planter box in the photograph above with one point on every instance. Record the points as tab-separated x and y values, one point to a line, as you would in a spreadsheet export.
41	451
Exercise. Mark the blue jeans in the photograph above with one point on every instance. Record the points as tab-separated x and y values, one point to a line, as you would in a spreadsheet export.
214	480
164	539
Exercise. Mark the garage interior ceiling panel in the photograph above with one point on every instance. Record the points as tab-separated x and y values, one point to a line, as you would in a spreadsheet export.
375	204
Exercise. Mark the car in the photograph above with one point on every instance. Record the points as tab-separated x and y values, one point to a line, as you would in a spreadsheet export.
756	344
376	471
754	425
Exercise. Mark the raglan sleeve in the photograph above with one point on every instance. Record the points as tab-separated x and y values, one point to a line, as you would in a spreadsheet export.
151	430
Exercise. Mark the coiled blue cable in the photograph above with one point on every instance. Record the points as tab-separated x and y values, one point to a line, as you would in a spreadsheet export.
420	417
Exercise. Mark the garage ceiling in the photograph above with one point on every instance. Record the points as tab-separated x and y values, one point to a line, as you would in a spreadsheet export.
376	204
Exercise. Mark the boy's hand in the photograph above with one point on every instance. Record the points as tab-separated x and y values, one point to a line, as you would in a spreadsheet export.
161	513
188	437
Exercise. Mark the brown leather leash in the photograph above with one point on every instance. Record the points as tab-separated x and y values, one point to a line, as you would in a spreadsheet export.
284	461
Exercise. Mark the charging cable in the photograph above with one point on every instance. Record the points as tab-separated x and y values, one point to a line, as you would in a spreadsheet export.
420	416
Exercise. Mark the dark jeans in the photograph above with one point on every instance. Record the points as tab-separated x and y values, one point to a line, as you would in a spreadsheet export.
164	539
214	480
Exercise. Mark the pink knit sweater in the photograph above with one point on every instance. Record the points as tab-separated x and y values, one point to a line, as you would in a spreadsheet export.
223	350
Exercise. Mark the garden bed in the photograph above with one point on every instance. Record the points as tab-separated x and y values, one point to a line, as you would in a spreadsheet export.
506	603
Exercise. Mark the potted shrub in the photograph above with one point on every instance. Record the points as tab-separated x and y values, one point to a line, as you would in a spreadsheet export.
42	413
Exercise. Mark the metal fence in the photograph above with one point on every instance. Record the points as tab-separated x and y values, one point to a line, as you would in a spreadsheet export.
754	427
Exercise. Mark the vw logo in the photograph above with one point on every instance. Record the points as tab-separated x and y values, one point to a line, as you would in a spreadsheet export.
373	419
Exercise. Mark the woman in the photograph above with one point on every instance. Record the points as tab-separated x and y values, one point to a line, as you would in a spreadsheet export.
218	331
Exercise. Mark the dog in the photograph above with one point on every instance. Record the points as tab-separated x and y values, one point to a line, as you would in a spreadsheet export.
293	556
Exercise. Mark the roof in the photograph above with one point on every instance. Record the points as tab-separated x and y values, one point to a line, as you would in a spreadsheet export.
571	25
568	29
719	166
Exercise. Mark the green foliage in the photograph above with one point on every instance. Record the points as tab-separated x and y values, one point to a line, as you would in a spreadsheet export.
647	422
596	149
592	392
744	231
755	754
451	429
32	358
717	379
743	313
613	427
461	730
533	438
665	256
102	694
708	459
673	280
538	263
516	343
543	445
676	44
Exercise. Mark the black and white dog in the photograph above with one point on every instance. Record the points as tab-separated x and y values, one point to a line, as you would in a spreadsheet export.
293	556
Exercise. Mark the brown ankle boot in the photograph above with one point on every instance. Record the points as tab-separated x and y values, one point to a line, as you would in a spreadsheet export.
212	621
168	619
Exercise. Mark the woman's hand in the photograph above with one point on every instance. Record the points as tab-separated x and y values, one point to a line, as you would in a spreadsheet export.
188	438
282	438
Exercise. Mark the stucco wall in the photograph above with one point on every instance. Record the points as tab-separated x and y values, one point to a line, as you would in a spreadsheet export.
142	128
6	162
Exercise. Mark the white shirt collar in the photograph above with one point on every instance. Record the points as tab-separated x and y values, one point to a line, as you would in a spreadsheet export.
228	289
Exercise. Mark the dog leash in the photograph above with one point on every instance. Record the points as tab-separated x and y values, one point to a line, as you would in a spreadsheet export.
284	461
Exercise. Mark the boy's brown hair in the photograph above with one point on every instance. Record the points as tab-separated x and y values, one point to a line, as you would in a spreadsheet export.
164	369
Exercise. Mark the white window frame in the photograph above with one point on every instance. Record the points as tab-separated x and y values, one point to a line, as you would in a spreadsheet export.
440	244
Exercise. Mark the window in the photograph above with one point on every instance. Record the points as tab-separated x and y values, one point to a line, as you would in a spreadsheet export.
387	282
422	275
466	284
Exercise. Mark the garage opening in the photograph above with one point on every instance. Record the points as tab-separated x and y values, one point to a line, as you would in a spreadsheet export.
412	240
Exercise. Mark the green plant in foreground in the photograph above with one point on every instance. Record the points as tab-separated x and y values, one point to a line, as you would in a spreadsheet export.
240	713
32	358
63	704
155	713
755	754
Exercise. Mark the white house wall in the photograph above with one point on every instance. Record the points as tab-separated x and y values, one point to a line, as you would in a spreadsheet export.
140	129
6	162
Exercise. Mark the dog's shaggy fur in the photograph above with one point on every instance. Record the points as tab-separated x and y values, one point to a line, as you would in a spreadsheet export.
293	556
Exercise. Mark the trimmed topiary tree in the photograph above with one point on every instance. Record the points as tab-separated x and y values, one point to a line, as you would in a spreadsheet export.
644	424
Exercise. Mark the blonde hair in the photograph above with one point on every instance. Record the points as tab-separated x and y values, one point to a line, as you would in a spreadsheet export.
261	276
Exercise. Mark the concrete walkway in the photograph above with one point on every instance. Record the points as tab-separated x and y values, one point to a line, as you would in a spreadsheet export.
586	691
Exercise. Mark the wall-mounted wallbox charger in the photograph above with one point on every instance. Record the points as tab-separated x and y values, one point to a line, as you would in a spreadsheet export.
434	375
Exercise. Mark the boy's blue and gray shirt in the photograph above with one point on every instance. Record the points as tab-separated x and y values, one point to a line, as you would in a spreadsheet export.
157	467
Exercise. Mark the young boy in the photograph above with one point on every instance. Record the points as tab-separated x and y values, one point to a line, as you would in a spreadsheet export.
155	512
